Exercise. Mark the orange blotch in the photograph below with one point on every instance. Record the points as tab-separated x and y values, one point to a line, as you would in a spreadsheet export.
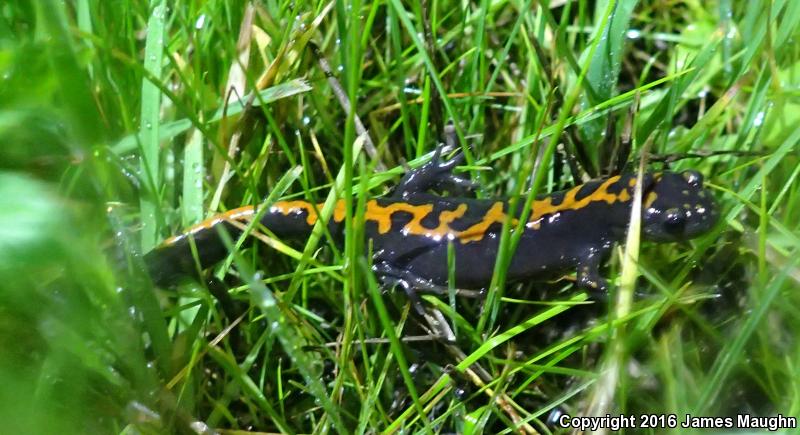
339	211
651	198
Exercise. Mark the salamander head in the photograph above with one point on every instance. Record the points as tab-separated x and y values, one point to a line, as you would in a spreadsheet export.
677	207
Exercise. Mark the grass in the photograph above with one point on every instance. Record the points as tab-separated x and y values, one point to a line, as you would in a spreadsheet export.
123	122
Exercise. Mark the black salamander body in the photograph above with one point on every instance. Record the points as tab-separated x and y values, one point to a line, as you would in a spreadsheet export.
410	230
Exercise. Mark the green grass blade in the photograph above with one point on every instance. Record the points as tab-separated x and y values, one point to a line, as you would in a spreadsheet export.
193	176
150	145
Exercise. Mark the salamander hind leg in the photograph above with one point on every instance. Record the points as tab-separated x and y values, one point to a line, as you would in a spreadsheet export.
436	174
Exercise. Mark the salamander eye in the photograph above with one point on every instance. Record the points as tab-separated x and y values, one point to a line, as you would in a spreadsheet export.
674	222
694	178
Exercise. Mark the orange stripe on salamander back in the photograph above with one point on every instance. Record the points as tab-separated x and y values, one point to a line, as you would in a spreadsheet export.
447	217
298	206
544	207
236	214
383	216
442	230
495	215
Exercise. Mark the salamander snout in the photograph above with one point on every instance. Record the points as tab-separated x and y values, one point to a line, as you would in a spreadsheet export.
677	207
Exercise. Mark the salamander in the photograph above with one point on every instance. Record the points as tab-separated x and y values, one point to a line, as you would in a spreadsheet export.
410	229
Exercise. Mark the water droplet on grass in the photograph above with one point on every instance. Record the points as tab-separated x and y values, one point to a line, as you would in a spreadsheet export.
201	21
633	34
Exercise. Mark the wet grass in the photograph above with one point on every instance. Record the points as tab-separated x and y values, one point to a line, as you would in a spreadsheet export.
122	123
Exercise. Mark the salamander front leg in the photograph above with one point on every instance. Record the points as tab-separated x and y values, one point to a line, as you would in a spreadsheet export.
589	278
391	276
